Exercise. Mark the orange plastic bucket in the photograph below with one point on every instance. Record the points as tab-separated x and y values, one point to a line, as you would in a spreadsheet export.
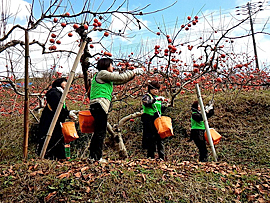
215	136
69	131
163	125
86	121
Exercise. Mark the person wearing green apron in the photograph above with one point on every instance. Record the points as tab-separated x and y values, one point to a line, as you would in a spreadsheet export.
198	129
100	101
152	108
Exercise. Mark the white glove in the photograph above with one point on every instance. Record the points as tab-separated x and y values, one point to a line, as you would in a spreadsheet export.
208	108
138	71
72	114
160	98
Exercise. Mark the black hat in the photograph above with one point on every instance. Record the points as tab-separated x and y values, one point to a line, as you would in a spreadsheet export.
153	85
195	105
58	82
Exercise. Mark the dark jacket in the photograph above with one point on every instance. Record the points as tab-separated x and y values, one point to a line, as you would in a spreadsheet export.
197	116
55	148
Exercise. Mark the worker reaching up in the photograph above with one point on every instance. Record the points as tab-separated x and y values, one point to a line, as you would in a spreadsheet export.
198	128
100	101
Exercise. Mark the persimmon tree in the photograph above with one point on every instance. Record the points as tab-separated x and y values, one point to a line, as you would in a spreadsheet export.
178	61
60	30
209	59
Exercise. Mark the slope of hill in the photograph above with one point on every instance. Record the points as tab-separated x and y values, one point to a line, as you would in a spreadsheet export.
240	175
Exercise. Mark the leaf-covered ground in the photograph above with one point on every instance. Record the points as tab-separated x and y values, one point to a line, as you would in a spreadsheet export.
242	173
141	180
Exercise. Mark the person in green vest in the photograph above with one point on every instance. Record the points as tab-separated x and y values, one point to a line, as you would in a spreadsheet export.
198	128
100	101
152	108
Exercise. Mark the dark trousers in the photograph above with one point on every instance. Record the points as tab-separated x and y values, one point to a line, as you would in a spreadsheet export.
99	135
198	136
56	146
151	139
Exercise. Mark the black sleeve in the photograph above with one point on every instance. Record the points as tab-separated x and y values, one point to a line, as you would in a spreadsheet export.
197	117
53	98
210	113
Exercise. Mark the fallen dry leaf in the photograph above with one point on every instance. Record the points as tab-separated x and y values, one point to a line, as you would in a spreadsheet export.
64	175
252	197
50	195
36	172
36	165
223	179
33	174
40	172
237	191
124	194
261	200
265	185
78	174
87	189
84	168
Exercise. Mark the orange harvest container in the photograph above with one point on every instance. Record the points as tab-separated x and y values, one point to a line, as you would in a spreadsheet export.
86	121
163	125
215	136
69	131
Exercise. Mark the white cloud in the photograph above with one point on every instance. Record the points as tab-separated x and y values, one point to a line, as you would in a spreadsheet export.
16	8
212	22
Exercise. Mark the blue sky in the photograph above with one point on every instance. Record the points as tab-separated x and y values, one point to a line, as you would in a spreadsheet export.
181	8
218	14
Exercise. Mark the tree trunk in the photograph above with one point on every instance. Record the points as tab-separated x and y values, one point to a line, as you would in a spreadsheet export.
116	134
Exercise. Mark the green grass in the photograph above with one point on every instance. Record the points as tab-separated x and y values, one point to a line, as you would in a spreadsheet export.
241	173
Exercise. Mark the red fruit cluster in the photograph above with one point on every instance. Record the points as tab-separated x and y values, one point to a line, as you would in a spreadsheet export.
172	48
194	22
53	47
97	23
157	49
190	47
196	70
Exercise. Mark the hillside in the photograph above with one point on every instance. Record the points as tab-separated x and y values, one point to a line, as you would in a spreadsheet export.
240	175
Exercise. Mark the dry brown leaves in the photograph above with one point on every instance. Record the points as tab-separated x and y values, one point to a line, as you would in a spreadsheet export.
91	172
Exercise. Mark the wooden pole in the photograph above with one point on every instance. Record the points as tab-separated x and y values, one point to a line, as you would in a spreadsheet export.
62	100
26	98
206	122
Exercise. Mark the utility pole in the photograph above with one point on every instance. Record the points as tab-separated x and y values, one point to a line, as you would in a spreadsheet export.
253	37
251	6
